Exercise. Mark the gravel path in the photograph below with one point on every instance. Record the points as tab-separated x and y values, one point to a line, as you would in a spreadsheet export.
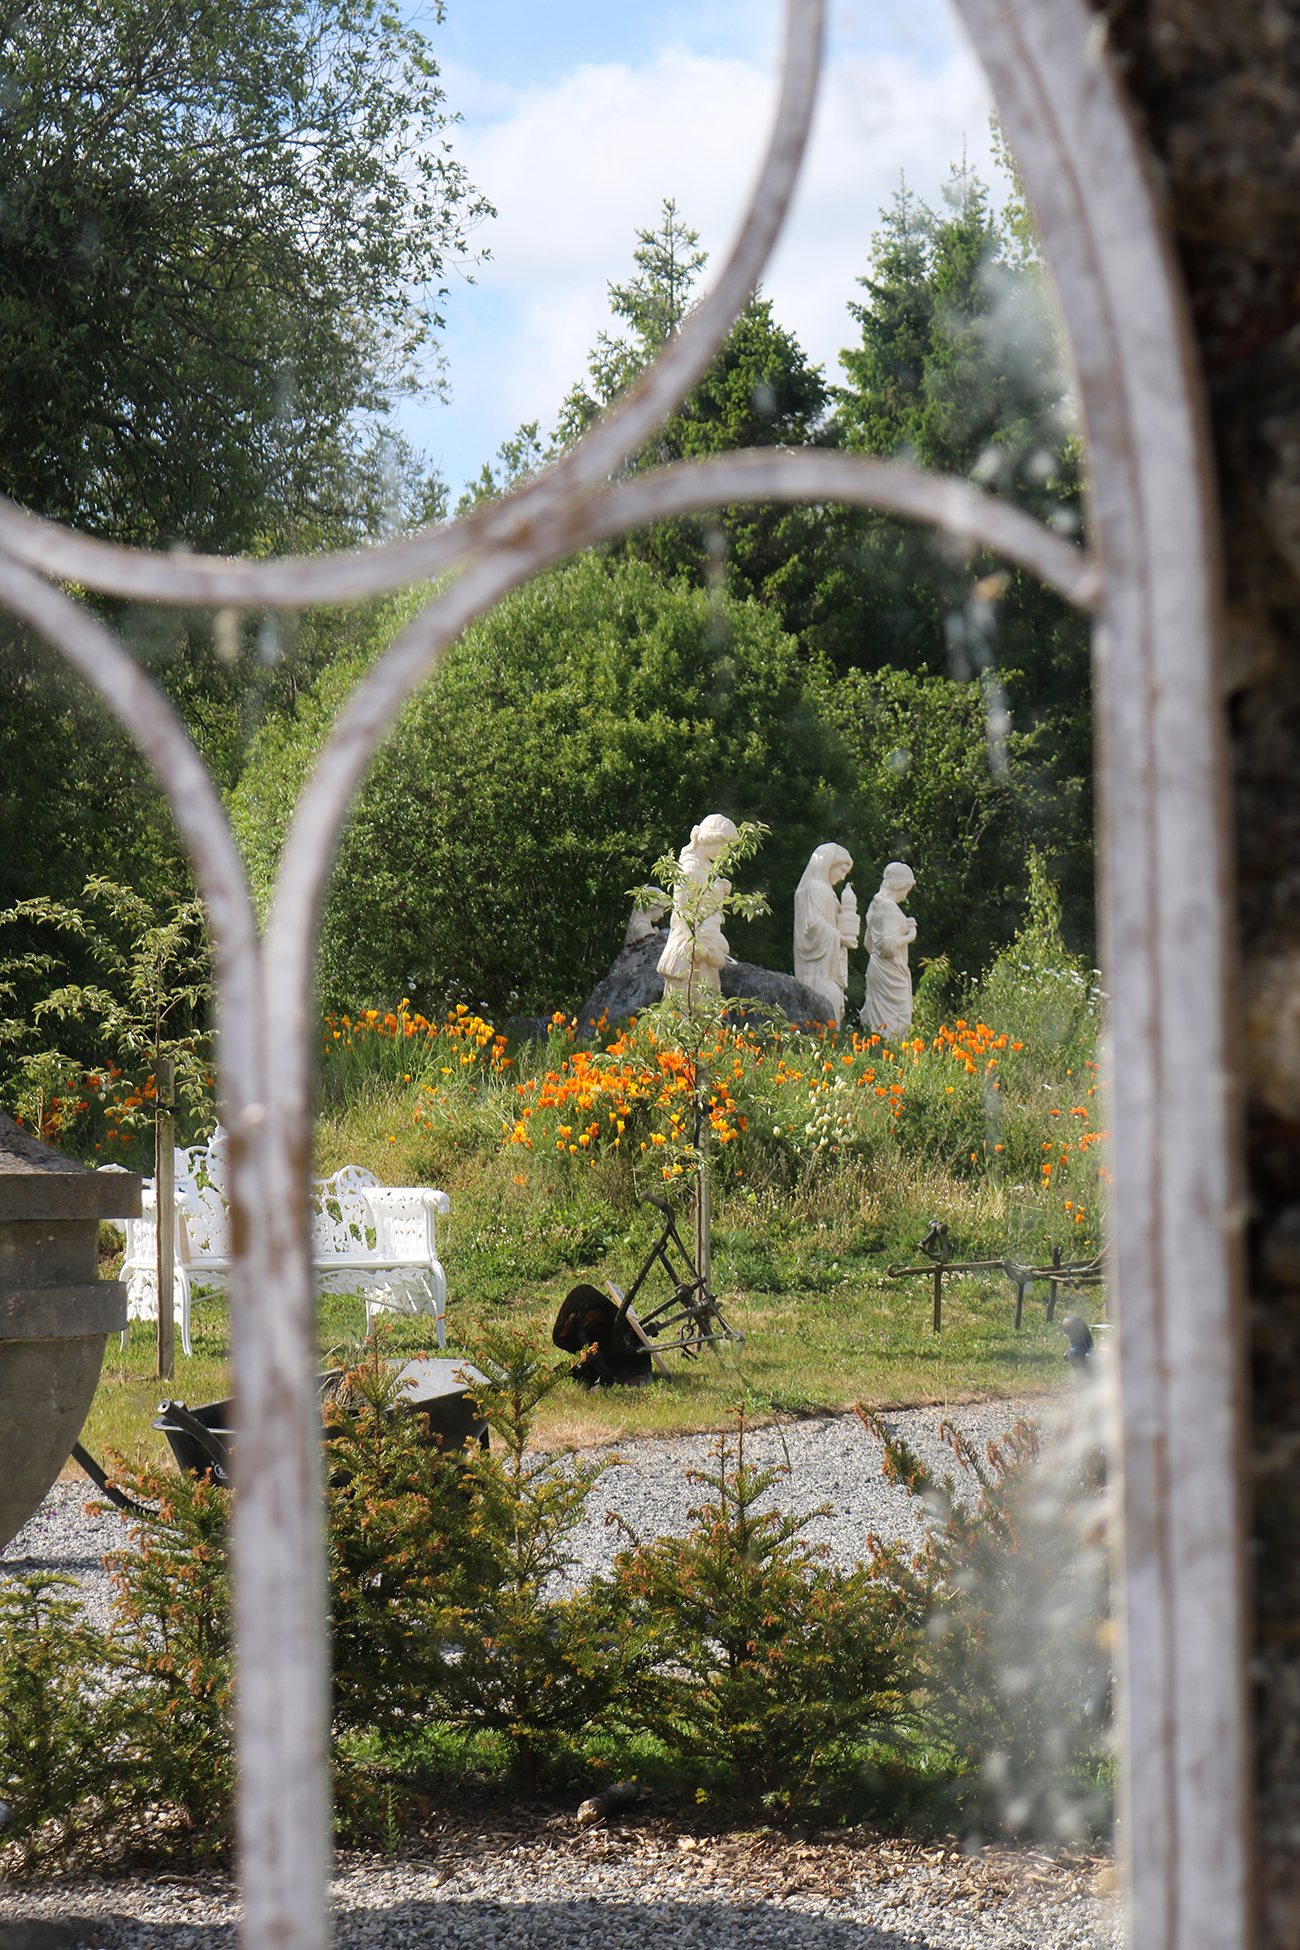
833	1461
547	1885
527	1876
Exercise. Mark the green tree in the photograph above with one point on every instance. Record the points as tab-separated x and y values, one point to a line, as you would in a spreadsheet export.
653	303
149	998
958	369
56	1778
571	738
758	391
224	233
958	364
223	239
173	1646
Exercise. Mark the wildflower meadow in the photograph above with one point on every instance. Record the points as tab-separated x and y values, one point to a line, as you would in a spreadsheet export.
830	1156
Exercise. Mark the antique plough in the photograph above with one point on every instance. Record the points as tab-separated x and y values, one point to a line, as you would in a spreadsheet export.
621	1344
939	1260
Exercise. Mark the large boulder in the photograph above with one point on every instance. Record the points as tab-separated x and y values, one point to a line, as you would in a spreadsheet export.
765	991
634	984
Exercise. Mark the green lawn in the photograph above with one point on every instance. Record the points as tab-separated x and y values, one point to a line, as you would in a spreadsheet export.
823	1329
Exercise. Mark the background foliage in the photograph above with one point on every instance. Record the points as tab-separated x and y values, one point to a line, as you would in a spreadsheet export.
827	671
572	736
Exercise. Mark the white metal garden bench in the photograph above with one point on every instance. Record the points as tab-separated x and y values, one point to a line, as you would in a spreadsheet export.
375	1239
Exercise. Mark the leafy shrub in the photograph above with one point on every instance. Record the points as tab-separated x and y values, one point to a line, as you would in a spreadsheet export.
149	998
534	779
1035	987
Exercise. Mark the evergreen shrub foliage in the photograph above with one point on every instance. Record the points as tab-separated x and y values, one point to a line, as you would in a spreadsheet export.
518	1657
735	1656
1010	1601
770	1667
173	1650
398	1536
55	1765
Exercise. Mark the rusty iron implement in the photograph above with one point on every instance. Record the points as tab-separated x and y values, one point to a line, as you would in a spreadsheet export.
1061	1273
691	1311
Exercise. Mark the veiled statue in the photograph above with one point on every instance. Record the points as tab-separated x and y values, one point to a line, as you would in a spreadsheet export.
825	927
888	1007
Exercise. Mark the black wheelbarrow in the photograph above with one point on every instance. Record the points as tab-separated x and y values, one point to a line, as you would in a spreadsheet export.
621	1344
202	1439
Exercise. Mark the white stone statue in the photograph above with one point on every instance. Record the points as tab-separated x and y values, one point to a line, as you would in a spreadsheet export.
821	937
697	960
645	922
888	1007
850	929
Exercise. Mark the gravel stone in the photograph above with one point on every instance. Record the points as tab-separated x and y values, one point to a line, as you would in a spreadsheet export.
550	1886
67	1537
835	1464
833	1461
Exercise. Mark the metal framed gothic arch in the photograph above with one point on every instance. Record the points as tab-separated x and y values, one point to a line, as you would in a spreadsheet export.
1151	579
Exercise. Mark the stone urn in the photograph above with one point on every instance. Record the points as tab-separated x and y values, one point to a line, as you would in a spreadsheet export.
55	1311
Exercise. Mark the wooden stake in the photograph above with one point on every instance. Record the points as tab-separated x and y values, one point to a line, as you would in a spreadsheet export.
703	1203
165	1192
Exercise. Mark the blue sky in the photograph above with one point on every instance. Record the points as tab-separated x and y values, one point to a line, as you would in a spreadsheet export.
578	119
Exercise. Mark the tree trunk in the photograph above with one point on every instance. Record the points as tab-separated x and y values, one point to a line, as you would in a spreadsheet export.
1216	86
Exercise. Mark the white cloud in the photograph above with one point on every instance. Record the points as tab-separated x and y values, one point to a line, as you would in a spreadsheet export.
575	167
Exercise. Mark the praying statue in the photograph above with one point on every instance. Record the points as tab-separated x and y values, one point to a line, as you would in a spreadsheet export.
887	1010
697	948
825	927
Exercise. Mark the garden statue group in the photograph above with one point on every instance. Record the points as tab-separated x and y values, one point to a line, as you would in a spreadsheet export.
826	927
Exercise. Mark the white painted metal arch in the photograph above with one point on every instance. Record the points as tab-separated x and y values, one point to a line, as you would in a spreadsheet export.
1165	918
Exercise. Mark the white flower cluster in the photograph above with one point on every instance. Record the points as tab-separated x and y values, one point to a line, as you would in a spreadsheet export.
831	1125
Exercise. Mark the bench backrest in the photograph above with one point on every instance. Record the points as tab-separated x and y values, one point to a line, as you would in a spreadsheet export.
352	1214
200	1176
341	1225
403	1220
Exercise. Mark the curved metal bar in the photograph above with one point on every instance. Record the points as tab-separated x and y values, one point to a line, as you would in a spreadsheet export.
809	474
1166	923
147	576
137	702
758	474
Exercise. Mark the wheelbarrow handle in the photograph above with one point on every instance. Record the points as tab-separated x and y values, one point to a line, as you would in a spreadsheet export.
87	1462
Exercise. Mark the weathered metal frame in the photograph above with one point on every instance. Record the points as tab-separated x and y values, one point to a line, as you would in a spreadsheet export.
1165	928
